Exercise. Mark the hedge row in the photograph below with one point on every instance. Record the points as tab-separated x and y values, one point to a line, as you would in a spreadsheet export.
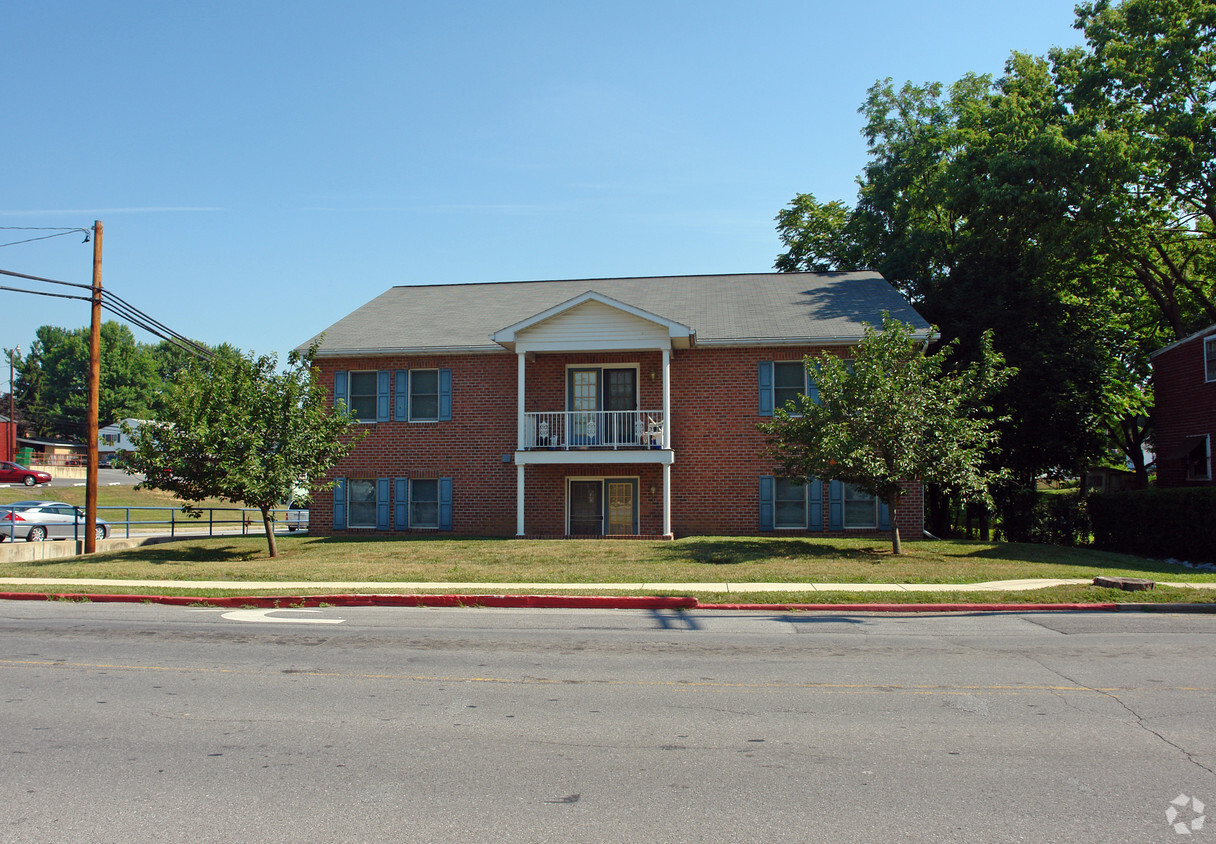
1161	523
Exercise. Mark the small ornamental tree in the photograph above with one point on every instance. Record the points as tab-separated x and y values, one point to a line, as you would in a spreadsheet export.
234	428
889	414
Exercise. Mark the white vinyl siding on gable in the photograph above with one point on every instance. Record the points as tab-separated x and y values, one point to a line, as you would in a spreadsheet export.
594	325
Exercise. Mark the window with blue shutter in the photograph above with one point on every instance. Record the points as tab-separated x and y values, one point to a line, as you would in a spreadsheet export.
340	388
767	484
780	384
835	505
445	395
445	503
766	388
884	515
401	503
401	395
383	406
340	504
382	504
814	505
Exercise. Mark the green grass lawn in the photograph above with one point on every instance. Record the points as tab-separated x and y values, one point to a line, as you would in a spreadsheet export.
684	561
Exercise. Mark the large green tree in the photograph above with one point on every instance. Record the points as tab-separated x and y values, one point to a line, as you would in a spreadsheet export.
233	427
52	382
893	414
1070	205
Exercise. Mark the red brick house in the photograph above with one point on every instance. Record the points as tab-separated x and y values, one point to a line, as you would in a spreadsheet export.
1184	416
605	407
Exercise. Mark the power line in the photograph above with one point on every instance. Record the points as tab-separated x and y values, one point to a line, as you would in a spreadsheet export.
58	232
46	280
121	308
44	293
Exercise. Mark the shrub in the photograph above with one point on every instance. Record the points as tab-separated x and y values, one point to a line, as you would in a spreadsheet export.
1060	519
1159	523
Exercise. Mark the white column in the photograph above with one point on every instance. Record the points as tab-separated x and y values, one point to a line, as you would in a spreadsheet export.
519	500
519	425
666	402
667	499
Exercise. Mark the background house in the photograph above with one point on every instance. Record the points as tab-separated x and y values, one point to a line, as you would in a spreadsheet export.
603	407
1184	415
111	438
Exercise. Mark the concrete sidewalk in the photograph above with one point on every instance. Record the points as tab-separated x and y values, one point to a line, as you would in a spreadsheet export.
508	588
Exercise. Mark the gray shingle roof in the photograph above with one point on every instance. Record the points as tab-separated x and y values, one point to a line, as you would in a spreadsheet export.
749	309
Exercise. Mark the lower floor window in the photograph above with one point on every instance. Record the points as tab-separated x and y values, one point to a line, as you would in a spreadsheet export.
424	503
361	502
789	503
860	508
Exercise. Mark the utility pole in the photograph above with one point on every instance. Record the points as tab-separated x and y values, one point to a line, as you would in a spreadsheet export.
90	494
11	434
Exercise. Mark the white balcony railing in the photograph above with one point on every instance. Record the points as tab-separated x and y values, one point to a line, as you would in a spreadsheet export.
596	429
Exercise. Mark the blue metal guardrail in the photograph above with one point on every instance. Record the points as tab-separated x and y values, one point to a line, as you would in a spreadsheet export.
249	519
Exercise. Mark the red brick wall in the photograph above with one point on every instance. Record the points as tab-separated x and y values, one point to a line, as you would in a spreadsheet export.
715	478
1185	407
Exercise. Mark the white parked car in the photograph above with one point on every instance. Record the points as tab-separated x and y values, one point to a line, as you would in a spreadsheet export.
35	521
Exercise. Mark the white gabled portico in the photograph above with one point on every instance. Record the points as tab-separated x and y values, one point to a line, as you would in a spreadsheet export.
587	431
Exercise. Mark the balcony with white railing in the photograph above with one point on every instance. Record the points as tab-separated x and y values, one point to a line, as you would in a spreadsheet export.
595	430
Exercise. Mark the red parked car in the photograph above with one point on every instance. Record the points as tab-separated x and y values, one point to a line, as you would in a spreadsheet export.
15	473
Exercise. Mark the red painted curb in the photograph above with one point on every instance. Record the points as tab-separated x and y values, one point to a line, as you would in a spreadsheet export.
286	602
911	607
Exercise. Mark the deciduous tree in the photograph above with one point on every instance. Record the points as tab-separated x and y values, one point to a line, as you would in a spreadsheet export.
235	428
893	414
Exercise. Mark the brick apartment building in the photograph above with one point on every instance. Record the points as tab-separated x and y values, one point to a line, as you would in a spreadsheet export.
1184	415
603	407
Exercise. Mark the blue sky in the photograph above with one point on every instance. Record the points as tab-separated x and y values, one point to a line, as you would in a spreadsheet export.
263	168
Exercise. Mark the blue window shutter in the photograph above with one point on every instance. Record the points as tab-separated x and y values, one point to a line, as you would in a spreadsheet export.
339	387
401	400
884	515
766	388
835	505
383	406
812	389
767	494
814	505
340	504
382	506
445	503
445	395
401	503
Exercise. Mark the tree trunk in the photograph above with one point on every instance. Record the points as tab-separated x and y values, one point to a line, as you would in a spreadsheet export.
268	521
896	547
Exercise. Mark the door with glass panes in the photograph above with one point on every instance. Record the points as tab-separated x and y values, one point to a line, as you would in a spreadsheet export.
603	507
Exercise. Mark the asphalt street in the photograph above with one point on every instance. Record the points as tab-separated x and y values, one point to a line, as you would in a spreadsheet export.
140	722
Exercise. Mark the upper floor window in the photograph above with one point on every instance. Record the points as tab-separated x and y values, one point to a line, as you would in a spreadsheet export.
781	382
362	398
424	395
1209	358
